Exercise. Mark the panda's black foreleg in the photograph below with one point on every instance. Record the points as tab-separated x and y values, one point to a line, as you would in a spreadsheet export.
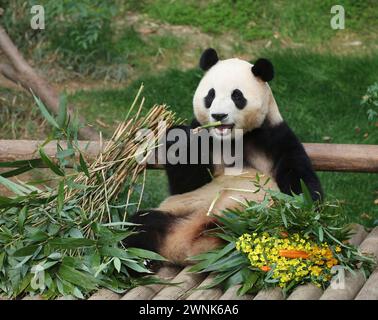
152	227
291	163
293	167
185	177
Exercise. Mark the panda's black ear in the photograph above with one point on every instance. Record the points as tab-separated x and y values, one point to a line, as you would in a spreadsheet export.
263	69
208	58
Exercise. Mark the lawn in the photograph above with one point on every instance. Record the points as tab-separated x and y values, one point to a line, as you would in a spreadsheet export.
321	74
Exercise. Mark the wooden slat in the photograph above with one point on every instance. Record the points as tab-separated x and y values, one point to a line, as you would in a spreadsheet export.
149	291
66	298
370	244
36	297
325	157
206	294
359	234
187	281
270	294
105	294
231	294
306	292
354	283
370	289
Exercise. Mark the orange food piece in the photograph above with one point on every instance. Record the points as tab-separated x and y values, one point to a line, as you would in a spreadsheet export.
294	254
265	268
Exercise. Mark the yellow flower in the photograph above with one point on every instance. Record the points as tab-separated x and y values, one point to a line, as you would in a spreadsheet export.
263	252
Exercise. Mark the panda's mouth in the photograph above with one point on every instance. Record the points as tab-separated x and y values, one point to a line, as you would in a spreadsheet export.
224	129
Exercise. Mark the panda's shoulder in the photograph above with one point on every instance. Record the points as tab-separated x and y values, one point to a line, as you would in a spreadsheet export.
273	138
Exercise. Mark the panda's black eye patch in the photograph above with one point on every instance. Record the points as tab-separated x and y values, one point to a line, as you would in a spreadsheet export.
238	98
209	98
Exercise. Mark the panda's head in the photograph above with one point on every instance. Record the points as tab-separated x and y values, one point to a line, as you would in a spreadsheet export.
234	92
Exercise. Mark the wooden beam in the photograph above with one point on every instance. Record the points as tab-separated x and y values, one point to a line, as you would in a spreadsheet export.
325	157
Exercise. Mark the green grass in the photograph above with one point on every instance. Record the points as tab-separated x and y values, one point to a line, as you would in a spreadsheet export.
318	95
263	18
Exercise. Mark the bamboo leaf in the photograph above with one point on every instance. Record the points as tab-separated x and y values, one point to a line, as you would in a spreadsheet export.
26	251
45	158
45	112
60	198
34	163
14	187
22	217
79	278
145	254
15	172
117	264
62	112
71	243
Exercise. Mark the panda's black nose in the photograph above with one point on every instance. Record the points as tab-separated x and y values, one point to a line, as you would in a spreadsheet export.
219	116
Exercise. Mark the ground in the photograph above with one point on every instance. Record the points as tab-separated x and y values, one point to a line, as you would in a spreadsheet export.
321	75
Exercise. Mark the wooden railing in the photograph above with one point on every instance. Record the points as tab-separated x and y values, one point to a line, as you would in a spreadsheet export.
324	156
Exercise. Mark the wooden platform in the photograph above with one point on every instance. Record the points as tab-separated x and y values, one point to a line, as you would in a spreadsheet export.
356	286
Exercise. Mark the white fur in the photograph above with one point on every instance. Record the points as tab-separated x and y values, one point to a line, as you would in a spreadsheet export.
226	76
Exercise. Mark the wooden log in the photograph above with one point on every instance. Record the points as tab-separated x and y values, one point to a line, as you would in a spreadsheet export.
370	244
347	291
149	291
306	292
343	157
35	297
104	294
206	294
325	157
64	298
270	294
370	289
359	234
186	280
354	283
231	294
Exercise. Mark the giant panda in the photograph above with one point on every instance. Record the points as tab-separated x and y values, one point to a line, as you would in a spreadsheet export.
236	93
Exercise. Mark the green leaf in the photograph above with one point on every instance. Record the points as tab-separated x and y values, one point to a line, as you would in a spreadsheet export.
15	172
22	217
114	237
146	254
26	251
60	197
77	293
71	243
306	194
249	281
33	163
136	267
218	279
50	163
65	153
79	278
117	264
14	187
321	234
45	112
2	257
37	235
62	112
83	165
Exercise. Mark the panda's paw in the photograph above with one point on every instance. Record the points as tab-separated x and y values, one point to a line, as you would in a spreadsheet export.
151	227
